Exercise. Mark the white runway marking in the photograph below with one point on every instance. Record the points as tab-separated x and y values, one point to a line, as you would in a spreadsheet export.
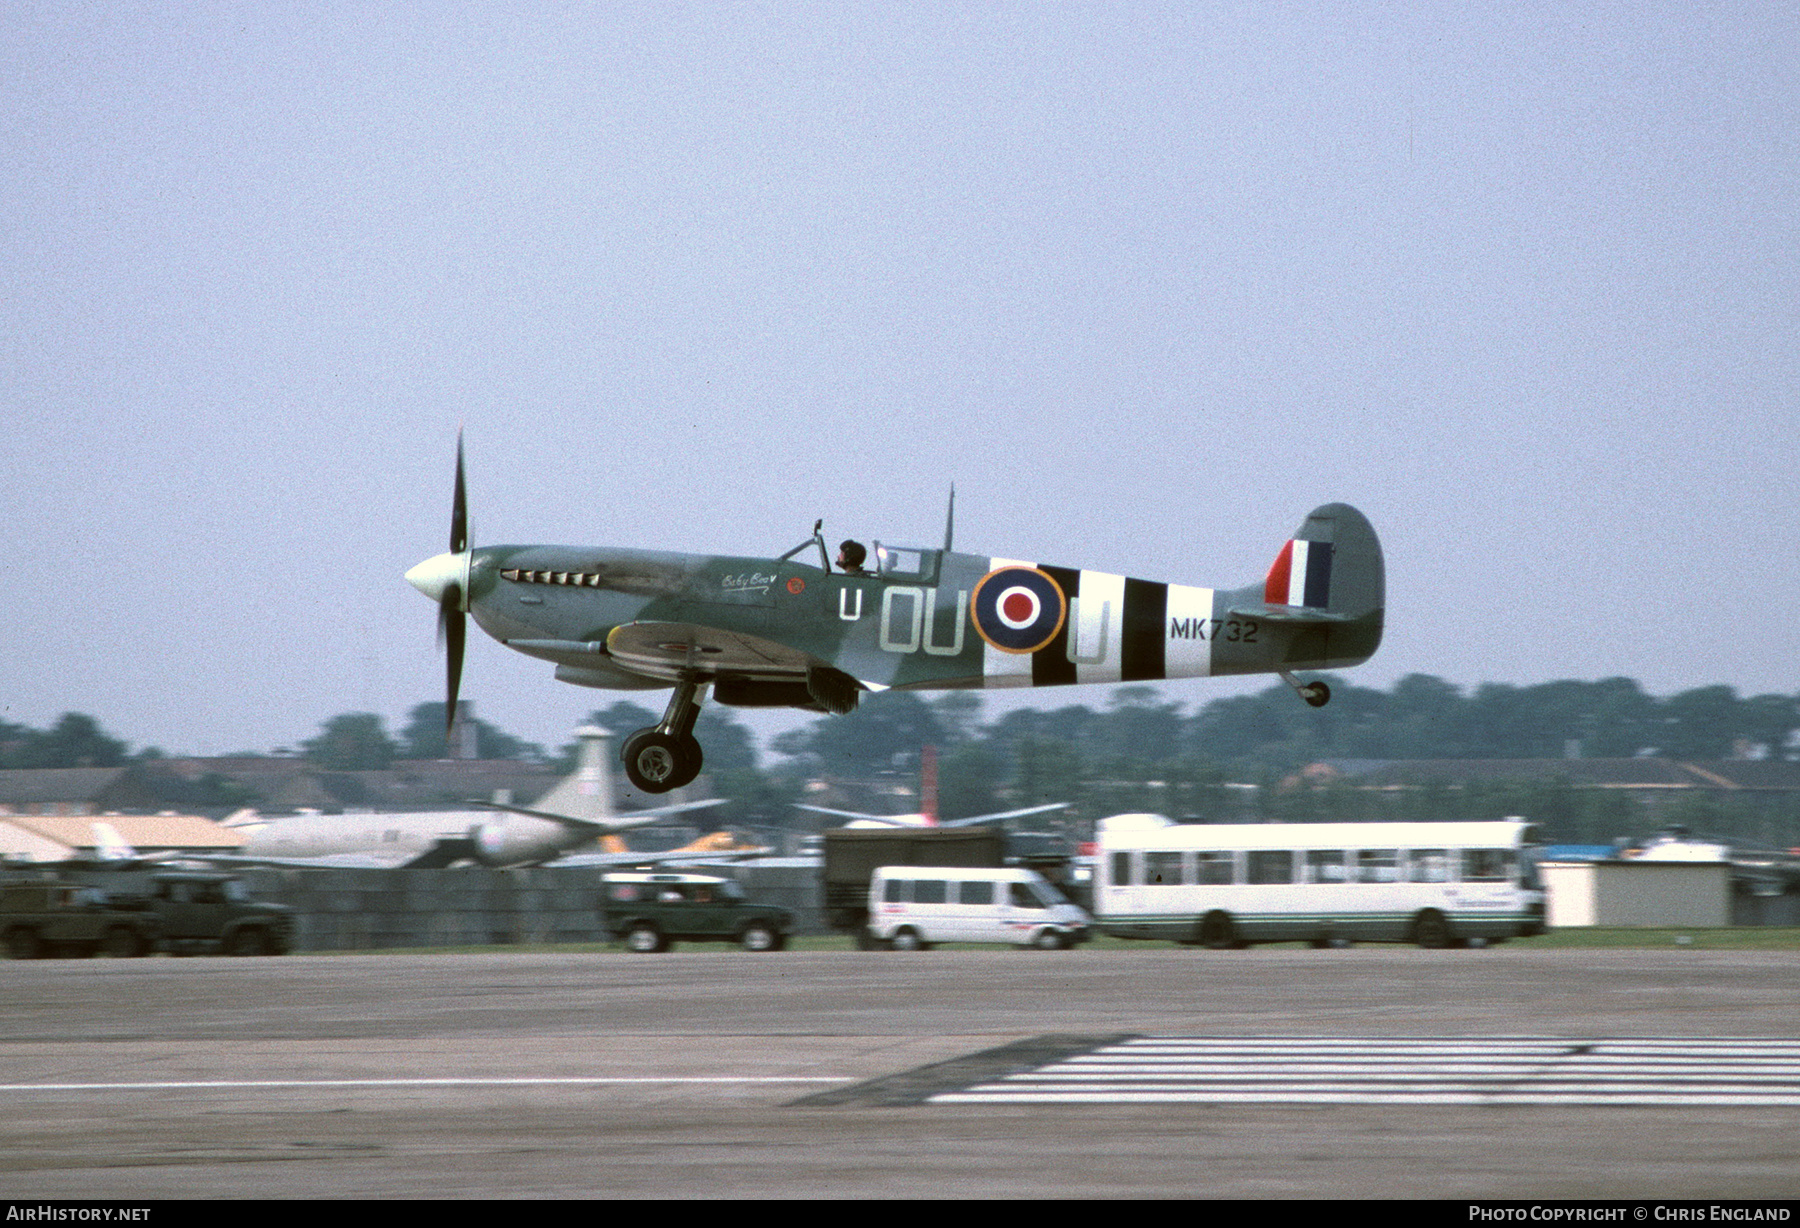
228	1084
1739	1071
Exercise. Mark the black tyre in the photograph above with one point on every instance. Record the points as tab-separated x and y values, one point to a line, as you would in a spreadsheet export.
1218	932
1050	940
654	761
692	757
759	937
250	941
1430	930
24	943
645	939
906	940
122	942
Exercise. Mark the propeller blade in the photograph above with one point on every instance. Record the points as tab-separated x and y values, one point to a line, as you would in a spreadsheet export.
452	632
449	606
459	507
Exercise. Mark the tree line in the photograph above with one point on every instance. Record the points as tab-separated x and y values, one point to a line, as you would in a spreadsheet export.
1132	732
1228	758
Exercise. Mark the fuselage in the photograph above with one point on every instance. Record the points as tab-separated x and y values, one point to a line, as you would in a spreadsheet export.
923	619
493	837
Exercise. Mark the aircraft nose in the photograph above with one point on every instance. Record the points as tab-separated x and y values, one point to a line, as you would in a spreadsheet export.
436	574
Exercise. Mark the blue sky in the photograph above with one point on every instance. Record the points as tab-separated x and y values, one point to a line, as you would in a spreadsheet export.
1146	281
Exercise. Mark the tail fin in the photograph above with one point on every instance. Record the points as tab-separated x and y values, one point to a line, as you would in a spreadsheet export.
587	793
1332	566
109	845
1328	577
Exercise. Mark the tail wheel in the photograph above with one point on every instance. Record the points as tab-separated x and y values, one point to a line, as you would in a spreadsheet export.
1218	932
1431	930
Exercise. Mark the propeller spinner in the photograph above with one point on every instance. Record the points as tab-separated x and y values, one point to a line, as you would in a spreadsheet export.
445	579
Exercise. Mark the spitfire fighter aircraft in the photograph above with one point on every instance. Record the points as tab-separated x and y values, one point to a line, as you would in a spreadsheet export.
797	632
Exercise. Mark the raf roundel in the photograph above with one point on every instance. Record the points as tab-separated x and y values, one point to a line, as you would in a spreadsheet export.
1018	609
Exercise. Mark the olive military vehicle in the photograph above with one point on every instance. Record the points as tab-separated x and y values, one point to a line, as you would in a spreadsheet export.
53	919
199	911
648	912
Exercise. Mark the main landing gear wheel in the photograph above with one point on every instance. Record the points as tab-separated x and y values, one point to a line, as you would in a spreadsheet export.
666	755
656	762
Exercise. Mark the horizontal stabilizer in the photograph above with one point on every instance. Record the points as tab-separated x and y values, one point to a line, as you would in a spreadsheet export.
1297	614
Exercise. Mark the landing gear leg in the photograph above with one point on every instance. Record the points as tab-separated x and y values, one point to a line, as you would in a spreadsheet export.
1315	693
667	755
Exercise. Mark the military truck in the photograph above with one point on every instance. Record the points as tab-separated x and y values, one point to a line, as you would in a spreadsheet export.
57	919
203	911
648	912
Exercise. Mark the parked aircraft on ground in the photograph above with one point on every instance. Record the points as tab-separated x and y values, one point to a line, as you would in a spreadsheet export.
569	817
928	806
858	819
783	632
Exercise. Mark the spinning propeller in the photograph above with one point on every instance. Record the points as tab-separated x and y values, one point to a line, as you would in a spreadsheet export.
445	579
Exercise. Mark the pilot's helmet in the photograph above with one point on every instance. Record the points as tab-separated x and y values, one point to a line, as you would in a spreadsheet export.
852	553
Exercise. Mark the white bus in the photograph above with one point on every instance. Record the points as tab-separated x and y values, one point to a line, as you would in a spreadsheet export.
1222	886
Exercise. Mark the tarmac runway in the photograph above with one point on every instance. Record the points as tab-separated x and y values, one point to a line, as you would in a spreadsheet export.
935	1074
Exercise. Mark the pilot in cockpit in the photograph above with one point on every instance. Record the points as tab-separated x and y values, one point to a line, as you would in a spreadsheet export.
850	558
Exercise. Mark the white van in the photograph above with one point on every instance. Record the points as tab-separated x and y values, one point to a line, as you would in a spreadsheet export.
912	907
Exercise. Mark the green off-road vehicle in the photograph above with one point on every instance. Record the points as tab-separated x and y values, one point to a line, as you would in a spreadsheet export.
51	919
648	912
203	911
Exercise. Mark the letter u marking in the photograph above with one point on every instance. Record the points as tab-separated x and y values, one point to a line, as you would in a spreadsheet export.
1077	616
956	640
